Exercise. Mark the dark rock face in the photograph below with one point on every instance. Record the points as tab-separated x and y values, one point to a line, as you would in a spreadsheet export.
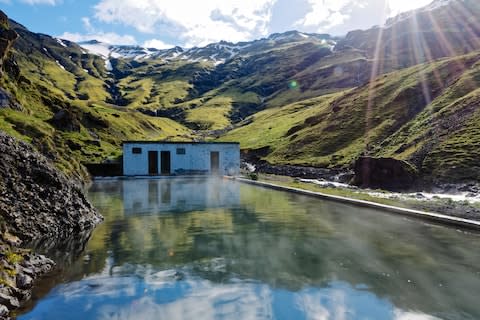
384	173
18	270
36	200
7	37
65	120
40	206
7	101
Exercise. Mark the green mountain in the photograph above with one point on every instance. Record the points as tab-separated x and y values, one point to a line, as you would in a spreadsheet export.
408	90
57	97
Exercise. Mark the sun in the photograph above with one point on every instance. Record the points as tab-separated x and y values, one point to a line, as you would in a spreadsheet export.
397	6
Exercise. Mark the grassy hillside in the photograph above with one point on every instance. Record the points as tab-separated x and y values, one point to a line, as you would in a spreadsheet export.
63	94
203	95
293	95
427	114
420	36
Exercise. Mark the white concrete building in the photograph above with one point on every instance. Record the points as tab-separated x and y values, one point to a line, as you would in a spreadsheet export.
152	158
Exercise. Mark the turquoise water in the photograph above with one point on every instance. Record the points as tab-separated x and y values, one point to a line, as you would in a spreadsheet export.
217	249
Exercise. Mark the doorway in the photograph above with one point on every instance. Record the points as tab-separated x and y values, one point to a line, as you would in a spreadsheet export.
214	162
153	163
166	163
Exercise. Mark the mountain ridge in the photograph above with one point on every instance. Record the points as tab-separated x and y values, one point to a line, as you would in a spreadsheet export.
217	51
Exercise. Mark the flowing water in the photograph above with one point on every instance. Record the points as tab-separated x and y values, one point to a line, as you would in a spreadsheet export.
218	249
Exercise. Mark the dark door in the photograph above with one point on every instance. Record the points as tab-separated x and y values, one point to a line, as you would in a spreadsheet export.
214	162
153	163
166	164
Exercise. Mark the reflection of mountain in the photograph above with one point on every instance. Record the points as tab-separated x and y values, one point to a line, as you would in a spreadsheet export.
178	195
290	246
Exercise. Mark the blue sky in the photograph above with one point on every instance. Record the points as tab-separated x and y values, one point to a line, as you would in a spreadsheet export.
164	23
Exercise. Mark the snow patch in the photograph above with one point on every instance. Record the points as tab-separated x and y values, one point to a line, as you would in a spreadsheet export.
108	65
99	49
60	42
59	64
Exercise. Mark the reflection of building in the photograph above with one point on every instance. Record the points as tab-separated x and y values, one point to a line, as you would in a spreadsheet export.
178	194
143	158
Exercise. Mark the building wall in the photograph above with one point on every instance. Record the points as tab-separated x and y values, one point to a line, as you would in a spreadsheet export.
196	157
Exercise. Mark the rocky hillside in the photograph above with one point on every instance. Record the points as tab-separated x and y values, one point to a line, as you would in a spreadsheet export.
36	200
38	206
442	29
56	97
409	115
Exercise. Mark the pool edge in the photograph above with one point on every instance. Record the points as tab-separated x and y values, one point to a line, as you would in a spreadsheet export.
423	215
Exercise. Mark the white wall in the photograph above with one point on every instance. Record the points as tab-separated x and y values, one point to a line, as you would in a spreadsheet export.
196	157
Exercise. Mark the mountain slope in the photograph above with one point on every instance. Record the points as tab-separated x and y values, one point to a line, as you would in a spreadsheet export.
62	97
409	114
441	29
301	98
269	72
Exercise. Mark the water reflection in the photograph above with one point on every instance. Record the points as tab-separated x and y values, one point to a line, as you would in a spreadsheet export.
179	195
215	249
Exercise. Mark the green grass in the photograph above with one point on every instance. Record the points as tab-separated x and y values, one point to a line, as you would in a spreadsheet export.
442	206
390	117
270	127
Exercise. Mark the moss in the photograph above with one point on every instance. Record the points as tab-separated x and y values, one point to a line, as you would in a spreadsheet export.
14	258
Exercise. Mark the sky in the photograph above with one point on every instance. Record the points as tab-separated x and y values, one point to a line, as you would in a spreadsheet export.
187	23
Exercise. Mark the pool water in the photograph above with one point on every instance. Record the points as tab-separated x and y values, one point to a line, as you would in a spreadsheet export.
218	249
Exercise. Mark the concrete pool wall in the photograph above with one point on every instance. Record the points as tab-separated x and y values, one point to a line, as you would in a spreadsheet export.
423	215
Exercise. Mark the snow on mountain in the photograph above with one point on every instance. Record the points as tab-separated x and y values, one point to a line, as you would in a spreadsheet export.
215	52
98	48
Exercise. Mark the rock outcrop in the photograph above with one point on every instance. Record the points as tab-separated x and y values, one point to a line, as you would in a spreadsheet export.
36	200
384	173
18	270
7	38
38	204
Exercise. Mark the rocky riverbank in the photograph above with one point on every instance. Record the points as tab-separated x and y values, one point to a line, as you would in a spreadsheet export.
38	204
297	171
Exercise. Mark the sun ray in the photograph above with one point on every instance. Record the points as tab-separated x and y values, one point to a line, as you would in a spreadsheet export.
377	65
420	57
427	50
465	17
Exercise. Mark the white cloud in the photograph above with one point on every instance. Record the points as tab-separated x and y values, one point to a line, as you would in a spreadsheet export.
193	22
157	44
88	25
326	14
397	6
107	37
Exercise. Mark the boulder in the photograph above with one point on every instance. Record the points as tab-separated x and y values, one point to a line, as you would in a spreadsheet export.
7	101
384	173
65	120
36	200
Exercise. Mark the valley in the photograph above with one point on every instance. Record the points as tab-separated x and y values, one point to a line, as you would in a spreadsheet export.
308	99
